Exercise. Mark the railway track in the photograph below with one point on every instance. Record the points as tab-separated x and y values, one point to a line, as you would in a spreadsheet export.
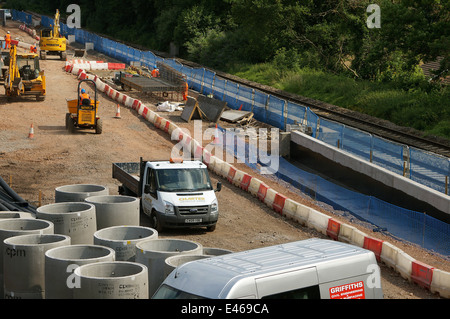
363	122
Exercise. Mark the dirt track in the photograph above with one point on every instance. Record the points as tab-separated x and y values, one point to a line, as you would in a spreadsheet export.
54	158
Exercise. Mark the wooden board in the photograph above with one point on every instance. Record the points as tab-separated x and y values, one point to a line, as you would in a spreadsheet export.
191	111
234	115
212	109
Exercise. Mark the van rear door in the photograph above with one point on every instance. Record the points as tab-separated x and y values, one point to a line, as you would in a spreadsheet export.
297	284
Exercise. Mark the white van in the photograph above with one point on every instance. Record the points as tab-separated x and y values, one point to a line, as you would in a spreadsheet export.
308	269
174	193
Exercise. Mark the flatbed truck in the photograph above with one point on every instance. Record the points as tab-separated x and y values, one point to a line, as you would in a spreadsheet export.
174	193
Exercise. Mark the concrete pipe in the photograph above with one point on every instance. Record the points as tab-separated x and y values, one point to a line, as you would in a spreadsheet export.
15	214
153	254
115	210
173	262
75	219
16	227
211	251
112	280
61	262
9	214
24	264
123	239
78	192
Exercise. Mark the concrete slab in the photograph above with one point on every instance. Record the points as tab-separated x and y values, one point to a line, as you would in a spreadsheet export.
234	115
426	194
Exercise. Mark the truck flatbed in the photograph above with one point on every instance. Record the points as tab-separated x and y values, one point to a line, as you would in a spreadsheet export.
128	174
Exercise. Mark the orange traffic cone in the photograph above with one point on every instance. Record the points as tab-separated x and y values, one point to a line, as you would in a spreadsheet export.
216	138
31	134
118	112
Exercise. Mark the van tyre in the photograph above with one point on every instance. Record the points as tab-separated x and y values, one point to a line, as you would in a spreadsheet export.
155	223
211	228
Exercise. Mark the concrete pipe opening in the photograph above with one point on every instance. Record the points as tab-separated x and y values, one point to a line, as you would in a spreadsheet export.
78	192
211	251
75	219
9	214
123	239
115	210
61	262
153	254
112	280
17	226
24	264
173	262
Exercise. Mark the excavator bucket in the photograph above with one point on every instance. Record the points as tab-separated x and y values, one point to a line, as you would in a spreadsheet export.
79	53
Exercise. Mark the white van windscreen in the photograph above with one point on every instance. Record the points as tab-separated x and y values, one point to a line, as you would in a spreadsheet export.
179	180
167	292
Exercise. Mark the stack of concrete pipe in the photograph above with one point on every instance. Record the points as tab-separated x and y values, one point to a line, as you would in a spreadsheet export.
16	227
153	253
24	264
123	239
115	210
9	214
78	192
61	262
112	280
74	219
89	245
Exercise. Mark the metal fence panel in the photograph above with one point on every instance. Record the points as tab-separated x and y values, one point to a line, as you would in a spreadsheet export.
259	106
312	120
196	79
429	169
330	132
387	154
208	82
245	98
295	113
231	94
357	142
219	88
275	112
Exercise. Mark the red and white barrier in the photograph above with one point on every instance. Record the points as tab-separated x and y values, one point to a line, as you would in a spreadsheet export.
433	279
31	32
440	283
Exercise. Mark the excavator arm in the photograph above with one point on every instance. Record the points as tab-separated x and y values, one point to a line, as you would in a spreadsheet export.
12	82
56	25
24	76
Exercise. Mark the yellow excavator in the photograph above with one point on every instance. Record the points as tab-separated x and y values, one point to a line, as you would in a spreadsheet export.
52	42
24	76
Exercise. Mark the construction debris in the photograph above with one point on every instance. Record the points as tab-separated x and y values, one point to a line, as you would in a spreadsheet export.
211	108
235	116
